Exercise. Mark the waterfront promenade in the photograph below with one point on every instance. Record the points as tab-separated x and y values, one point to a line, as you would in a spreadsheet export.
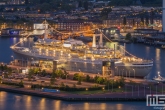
107	96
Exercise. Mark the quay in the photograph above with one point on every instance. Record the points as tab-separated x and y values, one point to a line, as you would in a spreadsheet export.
77	97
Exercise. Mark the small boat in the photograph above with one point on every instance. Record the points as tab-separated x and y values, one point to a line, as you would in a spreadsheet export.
159	78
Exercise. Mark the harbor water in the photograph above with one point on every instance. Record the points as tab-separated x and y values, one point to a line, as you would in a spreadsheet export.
12	101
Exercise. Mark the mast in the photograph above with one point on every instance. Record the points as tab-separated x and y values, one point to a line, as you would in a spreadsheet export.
114	51
46	26
124	49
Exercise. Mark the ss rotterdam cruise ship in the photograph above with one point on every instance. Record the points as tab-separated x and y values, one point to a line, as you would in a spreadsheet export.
74	55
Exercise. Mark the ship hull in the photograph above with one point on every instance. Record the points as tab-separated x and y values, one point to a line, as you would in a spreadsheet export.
133	71
93	67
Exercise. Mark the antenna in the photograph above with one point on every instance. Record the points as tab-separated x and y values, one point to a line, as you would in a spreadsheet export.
46	26
114	51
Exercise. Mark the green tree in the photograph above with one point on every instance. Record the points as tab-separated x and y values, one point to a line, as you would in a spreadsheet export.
76	76
80	3
133	22
147	21
45	7
30	74
74	85
15	9
124	21
100	80
142	20
95	78
105	12
27	8
79	81
86	5
5	75
62	85
52	79
128	36
87	78
43	73
21	84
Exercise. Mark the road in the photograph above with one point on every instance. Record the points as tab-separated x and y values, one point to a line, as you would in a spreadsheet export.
46	81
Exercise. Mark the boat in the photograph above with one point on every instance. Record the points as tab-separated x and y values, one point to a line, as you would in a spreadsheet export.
159	78
74	55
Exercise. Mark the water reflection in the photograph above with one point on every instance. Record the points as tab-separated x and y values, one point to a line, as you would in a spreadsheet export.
28	102
42	104
57	105
147	51
86	106
10	101
157	54
119	106
103	106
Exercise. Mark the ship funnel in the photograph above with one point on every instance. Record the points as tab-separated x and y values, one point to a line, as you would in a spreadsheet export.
163	17
94	41
101	40
114	51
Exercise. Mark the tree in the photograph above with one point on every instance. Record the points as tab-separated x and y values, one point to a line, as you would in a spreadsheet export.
74	85
105	12
80	3
87	78
76	76
128	36
142	20
5	75
52	79
147	21
86	5
45	7
62	85
30	74
133	22
15	9
124	21
26	1
95	78
27	8
100	80
21	84
2	9
2	67
79	81
43	72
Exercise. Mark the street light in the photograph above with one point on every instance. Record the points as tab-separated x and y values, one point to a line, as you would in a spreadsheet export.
134	72
117	70
76	66
122	72
112	84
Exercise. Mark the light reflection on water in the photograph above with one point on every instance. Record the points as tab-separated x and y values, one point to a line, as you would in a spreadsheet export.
11	101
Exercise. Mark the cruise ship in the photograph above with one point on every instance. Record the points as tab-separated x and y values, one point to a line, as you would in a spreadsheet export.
74	55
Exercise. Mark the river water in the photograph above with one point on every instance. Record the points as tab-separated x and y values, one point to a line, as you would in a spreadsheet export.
10	101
